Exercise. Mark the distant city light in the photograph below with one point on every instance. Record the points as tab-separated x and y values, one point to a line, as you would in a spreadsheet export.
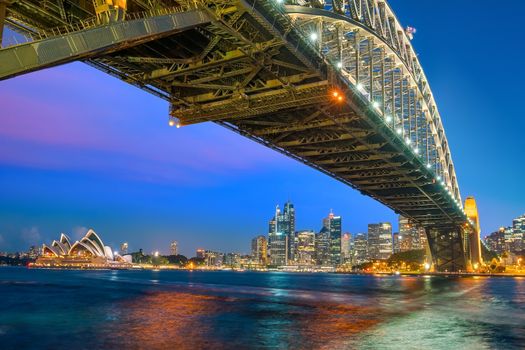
427	266
156	253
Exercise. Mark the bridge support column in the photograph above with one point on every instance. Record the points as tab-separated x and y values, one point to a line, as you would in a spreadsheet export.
447	248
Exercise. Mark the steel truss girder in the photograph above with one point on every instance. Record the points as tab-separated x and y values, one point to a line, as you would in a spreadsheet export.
91	42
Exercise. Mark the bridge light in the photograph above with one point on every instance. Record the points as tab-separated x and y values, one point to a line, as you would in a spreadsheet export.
429	165
375	104
340	98
361	88
438	178
339	65
399	131
313	36
335	93
427	266
279	1
408	141
416	150
388	118
171	122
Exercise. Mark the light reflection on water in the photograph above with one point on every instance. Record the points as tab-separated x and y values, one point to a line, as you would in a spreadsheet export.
224	310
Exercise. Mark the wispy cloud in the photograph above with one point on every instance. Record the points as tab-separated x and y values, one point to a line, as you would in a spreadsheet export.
31	235
78	232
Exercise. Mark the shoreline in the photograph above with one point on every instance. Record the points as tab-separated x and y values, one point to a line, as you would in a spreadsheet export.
412	274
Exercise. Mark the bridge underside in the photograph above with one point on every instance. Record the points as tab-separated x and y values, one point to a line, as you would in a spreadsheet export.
245	67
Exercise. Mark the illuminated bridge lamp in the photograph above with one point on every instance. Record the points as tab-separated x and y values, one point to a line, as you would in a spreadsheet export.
388	118
171	122
339	65
313	36
375	104
399	131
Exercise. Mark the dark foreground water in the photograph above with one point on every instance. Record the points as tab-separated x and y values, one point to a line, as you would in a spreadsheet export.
53	309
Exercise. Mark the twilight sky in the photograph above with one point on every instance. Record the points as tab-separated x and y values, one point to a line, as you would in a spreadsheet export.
81	149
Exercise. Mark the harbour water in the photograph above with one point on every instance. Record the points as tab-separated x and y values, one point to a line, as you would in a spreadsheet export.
59	309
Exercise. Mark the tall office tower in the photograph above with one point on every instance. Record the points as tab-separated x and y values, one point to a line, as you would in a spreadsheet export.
333	224
411	237
396	242
360	249
286	224
278	239
174	248
124	248
260	250
496	241
322	247
380	244
305	248
346	248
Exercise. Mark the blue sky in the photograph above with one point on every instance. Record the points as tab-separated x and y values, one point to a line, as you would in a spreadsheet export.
81	149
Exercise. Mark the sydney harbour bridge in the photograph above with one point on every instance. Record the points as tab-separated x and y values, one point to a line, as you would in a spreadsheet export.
334	84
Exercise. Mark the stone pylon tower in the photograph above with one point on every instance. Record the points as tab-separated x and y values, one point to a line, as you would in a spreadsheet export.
474	245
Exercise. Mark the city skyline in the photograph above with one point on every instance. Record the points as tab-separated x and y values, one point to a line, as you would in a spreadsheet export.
68	163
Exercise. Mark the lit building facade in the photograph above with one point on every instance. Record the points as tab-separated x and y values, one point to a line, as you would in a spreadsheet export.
346	248
332	223
496	241
213	259
411	237
260	250
380	241
322	247
360	249
280	227
124	248
305	255
88	252
174	248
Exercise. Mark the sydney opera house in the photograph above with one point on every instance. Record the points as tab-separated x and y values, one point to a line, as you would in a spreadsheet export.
88	252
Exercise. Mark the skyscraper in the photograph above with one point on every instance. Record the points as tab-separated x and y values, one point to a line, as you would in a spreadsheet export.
259	250
333	224
174	248
277	239
322	247
360	249
287	227
380	244
305	248
411	237
346	248
124	248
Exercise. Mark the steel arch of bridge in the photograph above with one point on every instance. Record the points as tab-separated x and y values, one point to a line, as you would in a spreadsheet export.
253	66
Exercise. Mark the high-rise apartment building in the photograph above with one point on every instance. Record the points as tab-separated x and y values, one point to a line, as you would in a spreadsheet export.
380	241
260	250
305	254
496	241
174	248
